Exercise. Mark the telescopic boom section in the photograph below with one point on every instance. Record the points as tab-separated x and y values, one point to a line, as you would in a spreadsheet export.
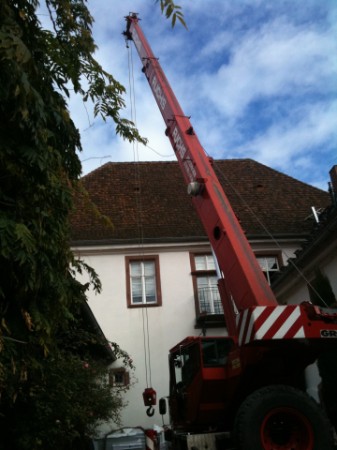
242	279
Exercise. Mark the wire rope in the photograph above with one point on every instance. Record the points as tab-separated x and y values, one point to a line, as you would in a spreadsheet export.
139	210
221	174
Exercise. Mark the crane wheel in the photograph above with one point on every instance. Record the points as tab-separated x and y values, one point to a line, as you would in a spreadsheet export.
281	417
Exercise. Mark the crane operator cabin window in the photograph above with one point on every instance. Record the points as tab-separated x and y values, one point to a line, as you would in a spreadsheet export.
143	281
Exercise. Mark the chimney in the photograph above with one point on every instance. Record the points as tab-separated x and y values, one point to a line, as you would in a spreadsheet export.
333	184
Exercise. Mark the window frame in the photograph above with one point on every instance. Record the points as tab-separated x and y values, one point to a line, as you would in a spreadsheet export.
277	256
128	261
120	371
211	319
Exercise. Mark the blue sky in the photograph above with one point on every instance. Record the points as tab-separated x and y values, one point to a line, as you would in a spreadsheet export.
257	77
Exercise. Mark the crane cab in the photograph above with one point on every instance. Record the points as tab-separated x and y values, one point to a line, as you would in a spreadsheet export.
199	367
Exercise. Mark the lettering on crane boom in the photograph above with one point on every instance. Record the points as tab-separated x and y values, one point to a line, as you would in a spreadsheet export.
159	95
178	142
329	333
181	150
158	92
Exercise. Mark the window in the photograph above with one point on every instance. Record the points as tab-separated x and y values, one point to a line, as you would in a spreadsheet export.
207	296
269	265
119	377
204	262
143	282
186	364
215	351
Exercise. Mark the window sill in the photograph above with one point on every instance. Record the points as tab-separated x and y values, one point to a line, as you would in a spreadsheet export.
144	305
210	321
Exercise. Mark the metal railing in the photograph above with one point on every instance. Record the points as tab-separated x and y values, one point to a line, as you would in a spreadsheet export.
209	301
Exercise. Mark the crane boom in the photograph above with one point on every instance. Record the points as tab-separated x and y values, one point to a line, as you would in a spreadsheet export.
243	281
256	374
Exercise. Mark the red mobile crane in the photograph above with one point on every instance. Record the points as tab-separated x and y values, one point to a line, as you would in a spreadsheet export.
250	383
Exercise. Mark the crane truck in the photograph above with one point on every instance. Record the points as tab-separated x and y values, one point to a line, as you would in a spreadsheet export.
249	384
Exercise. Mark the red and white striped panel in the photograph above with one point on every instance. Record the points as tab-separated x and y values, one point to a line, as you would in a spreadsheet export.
270	322
151	439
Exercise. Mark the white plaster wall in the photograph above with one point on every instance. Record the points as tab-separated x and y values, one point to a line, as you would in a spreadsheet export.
289	252
167	325
298	292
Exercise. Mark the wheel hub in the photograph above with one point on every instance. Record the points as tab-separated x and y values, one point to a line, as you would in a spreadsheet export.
286	429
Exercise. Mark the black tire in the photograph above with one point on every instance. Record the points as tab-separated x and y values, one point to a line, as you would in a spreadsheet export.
281	418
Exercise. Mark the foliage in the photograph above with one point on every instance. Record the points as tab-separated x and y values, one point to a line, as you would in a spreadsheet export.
50	392
170	9
41	375
39	165
62	400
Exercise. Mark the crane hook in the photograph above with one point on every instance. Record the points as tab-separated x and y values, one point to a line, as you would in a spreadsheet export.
150	411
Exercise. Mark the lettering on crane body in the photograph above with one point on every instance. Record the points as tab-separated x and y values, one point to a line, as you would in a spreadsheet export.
190	170
181	150
328	333
158	92
178	142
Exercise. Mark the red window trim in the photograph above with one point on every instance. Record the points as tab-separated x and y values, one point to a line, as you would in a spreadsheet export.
154	258
195	273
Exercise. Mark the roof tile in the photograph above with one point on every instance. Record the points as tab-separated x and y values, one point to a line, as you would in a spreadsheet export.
148	201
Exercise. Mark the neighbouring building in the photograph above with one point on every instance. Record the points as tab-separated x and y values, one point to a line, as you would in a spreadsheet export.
313	273
138	230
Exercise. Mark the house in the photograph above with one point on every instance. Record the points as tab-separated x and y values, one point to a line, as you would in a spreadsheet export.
137	228
313	273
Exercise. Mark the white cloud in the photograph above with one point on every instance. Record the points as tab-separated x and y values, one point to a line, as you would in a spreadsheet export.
292	142
277	60
256	76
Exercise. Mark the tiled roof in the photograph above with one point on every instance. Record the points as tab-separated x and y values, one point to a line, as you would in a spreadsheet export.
147	201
